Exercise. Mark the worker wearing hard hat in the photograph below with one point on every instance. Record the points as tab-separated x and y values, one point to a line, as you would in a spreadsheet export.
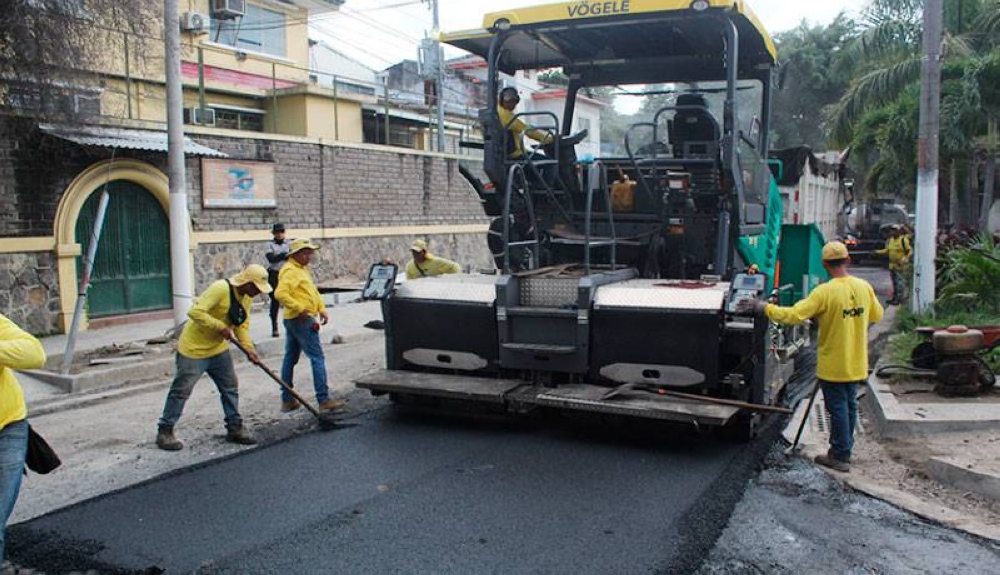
305	312
517	129
425	264
899	248
220	314
844	307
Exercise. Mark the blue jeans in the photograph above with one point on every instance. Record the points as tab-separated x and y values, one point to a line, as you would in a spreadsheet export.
300	337
13	448
841	400
220	369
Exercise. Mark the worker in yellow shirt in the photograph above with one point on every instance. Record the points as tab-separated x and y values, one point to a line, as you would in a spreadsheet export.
18	350
221	313
425	264
516	128
304	313
899	248
844	307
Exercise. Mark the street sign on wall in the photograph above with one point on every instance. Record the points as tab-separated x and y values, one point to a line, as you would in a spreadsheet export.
237	184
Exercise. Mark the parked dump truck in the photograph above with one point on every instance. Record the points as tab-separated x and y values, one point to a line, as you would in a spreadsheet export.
618	277
812	187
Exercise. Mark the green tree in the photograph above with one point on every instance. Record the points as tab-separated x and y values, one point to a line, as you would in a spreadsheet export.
808	82
884	60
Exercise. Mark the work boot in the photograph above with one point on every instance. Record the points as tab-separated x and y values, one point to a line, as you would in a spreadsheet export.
274	330
332	405
833	463
290	405
166	441
240	436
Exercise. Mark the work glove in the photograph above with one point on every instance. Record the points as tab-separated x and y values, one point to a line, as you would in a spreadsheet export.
750	307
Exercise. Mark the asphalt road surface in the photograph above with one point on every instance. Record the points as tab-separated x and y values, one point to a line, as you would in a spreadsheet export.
403	492
406	492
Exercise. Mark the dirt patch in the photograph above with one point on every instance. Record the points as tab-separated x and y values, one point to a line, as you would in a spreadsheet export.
902	464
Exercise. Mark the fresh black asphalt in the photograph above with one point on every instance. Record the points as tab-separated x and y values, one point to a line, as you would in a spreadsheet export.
404	492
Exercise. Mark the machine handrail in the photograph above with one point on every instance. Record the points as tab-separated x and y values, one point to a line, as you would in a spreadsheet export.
529	158
552	131
515	170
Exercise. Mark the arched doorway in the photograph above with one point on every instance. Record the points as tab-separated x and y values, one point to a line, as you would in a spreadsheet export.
132	269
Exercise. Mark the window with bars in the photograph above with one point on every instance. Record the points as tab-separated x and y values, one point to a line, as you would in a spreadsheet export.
239	120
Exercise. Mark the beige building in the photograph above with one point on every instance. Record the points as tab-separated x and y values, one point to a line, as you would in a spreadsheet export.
267	141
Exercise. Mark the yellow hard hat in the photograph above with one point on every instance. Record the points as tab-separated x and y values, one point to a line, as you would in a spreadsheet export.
834	251
301	244
255	274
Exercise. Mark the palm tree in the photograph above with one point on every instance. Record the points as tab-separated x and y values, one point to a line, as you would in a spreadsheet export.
885	58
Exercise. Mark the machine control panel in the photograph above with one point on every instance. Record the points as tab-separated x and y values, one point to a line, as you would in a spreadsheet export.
745	286
381	281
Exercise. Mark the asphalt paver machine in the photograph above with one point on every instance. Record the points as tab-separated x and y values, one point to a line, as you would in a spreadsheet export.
617	276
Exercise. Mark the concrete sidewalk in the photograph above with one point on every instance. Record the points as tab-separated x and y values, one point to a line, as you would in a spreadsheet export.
944	468
347	324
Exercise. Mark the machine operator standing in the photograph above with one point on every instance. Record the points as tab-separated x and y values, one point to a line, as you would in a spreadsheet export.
844	307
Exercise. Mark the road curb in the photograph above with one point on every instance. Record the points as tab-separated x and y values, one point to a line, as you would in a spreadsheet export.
894	420
913	504
961	474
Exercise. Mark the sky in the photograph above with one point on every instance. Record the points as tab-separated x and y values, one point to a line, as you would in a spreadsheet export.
379	33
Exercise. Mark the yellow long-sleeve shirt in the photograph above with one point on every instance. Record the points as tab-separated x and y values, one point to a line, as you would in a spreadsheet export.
18	350
431	266
209	315
518	129
844	308
899	251
297	291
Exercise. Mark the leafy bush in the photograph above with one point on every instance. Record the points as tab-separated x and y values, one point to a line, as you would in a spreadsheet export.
969	278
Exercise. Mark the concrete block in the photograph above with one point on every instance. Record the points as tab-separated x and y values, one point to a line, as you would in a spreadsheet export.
964	475
895	420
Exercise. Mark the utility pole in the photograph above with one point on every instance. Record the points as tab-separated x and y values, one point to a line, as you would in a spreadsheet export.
927	161
440	75
180	263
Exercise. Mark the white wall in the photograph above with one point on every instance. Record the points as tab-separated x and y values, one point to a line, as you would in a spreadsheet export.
814	200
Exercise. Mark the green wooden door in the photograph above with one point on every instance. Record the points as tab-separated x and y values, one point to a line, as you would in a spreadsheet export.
132	270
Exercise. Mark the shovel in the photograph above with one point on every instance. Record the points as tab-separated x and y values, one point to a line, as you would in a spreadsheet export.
326	421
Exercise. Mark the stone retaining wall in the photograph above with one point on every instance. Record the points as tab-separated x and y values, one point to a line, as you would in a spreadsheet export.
343	259
29	293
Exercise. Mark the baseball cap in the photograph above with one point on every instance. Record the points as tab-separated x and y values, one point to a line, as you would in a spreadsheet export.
418	246
278	227
301	244
255	274
834	251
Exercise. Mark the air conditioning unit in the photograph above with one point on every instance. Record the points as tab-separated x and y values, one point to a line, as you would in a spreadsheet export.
195	22
200	117
228	9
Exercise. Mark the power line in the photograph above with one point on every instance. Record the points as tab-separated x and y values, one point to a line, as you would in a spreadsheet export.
376	24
